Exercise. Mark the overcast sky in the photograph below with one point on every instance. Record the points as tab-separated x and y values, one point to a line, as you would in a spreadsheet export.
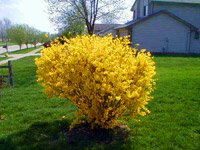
34	13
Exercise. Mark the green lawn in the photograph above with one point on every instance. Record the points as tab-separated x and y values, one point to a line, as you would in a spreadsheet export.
4	58
24	51
30	120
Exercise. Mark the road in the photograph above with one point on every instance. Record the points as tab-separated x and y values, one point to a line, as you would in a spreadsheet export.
14	48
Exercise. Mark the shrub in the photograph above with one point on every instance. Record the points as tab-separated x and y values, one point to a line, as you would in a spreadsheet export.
104	77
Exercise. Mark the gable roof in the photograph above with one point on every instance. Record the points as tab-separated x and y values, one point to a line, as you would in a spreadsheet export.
133	5
172	1
135	22
179	1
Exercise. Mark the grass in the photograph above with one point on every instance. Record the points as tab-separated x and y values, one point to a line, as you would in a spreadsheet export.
24	51
4	58
30	120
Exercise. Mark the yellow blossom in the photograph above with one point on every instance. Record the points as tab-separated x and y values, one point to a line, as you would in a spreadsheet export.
104	77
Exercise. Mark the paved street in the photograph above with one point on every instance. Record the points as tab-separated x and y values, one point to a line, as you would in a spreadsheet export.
14	48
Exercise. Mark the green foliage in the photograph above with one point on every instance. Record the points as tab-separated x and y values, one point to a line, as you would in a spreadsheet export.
43	37
17	34
30	35
35	37
74	27
24	34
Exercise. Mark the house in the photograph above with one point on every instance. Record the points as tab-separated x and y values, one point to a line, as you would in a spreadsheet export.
164	26
101	28
110	30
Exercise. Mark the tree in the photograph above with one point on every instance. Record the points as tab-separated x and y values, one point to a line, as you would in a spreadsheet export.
35	36
43	37
17	33
109	20
72	27
88	11
29	34
2	30
5	24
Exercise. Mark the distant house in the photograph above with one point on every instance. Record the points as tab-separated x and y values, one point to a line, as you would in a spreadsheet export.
165	26
104	29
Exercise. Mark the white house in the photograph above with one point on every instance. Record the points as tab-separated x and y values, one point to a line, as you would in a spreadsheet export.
165	26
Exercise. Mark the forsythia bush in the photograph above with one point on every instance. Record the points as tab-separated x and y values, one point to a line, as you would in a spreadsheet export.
104	77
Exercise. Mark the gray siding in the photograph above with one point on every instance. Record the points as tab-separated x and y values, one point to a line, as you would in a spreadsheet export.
162	34
195	44
188	12
139	7
135	10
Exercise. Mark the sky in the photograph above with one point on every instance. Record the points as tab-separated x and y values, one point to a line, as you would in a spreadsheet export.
35	14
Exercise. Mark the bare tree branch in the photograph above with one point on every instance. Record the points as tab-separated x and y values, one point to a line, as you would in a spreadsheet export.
88	10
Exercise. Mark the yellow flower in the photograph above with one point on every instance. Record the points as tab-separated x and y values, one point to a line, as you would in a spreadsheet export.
118	98
104	77
46	35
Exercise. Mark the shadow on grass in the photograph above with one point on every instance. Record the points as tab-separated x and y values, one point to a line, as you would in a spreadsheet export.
56	136
176	55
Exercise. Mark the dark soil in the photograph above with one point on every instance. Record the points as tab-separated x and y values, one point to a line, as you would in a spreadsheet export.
85	135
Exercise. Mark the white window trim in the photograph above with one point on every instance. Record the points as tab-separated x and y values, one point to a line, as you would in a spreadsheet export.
146	10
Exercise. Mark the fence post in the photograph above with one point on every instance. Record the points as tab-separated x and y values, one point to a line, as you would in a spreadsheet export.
11	75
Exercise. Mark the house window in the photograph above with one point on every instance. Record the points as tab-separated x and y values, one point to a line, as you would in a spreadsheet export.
145	10
196	35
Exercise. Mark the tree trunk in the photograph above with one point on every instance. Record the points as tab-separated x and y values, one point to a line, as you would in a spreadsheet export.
7	46
90	32
27	45
90	28
20	46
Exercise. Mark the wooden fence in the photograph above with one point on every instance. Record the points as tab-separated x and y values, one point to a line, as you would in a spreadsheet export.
10	74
